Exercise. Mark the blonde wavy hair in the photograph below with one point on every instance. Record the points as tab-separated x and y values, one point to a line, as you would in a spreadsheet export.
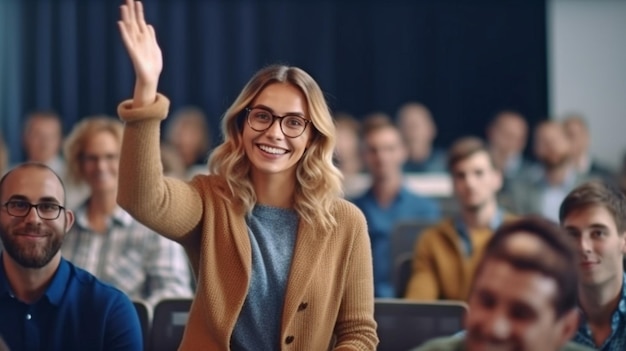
78	137
318	180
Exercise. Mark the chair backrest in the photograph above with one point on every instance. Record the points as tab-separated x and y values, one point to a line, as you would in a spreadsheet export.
144	318
449	206
403	237
404	324
168	324
402	270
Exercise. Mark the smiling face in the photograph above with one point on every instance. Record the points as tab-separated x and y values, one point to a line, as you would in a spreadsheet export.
30	241
512	309
600	244
270	151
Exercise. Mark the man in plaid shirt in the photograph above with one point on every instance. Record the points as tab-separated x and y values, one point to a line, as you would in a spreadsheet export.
105	240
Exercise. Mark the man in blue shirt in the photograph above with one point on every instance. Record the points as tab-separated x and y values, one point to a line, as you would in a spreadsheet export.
47	303
388	201
594	214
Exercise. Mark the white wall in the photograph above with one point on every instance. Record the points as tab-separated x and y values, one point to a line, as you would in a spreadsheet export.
587	69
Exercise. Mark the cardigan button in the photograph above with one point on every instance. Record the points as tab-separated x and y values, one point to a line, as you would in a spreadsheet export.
289	339
302	306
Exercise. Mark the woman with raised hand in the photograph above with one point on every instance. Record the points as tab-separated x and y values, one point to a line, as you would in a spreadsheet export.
281	261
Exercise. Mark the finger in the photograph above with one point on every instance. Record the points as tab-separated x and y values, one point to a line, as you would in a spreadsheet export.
150	29
125	36
124	14
141	21
132	17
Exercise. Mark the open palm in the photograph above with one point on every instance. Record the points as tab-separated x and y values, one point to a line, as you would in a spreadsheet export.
140	41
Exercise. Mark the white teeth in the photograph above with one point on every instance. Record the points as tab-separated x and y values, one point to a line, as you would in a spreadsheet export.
272	150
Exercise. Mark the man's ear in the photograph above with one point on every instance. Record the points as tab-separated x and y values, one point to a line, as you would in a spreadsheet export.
569	325
69	220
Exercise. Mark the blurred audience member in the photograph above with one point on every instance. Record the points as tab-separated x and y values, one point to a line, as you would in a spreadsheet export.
173	165
446	254
594	215
106	240
579	136
419	131
188	131
348	153
542	192
507	135
42	140
524	294
388	201
46	302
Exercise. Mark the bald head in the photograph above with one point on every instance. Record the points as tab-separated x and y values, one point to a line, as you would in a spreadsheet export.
26	170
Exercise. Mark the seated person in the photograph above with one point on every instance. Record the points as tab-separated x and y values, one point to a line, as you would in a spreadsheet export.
106	241
542	191
594	215
46	303
388	201
447	253
419	131
579	135
524	293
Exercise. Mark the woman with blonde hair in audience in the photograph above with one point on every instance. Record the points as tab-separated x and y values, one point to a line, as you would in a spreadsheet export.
106	240
281	260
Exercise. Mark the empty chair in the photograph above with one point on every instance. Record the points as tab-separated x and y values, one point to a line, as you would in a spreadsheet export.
144	318
402	270
403	325
168	324
404	235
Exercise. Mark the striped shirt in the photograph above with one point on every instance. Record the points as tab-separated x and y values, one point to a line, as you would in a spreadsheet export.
129	256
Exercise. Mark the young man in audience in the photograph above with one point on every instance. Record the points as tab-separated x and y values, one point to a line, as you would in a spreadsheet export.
579	136
388	201
46	303
542	193
106	241
446	254
524	293
418	129
594	215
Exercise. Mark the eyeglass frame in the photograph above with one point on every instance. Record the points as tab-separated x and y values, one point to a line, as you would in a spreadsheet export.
274	118
31	205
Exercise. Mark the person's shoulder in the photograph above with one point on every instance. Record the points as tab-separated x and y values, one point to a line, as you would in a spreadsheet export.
89	287
443	225
448	343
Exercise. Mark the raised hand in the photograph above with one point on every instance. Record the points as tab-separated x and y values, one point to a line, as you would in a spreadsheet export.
140	42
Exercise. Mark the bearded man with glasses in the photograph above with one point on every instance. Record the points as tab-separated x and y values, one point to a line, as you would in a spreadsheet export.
46	302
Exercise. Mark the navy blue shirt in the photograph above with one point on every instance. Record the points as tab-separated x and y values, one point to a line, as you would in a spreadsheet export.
407	206
77	312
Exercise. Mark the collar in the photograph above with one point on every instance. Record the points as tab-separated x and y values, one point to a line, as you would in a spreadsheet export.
402	193
568	183
119	217
464	233
55	290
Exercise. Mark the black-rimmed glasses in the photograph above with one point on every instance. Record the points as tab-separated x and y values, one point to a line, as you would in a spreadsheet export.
260	119
45	210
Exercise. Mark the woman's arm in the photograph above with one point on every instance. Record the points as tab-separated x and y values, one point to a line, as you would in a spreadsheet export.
169	206
355	327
